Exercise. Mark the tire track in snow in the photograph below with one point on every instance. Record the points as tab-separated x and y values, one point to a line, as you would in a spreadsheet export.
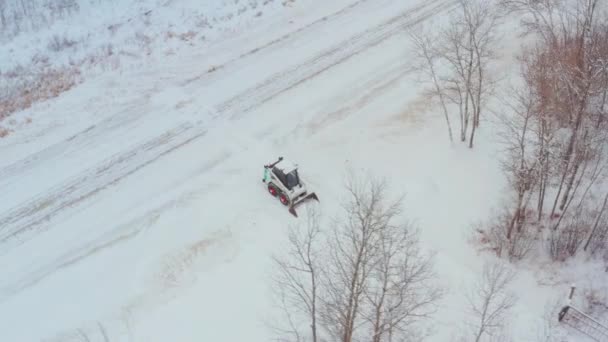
80	140
369	90
292	77
278	41
121	233
23	221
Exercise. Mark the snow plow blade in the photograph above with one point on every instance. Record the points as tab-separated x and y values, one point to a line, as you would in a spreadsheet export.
300	200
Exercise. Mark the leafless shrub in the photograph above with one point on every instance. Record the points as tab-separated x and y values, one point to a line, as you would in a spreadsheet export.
24	90
143	39
40	59
490	302
114	28
170	35
494	236
57	44
4	132
597	302
565	242
203	22
188	36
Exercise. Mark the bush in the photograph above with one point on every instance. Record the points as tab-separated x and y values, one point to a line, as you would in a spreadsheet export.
23	91
566	241
4	132
57	44
493	236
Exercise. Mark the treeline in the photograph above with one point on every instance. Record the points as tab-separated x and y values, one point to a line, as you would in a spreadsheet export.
556	130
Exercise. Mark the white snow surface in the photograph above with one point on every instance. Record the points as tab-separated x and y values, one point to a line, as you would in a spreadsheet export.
84	29
135	199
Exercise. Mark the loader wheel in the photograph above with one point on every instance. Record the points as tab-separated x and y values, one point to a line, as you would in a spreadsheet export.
283	199
272	190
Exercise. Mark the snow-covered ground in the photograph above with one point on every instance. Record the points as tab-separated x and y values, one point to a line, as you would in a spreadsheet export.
134	201
77	30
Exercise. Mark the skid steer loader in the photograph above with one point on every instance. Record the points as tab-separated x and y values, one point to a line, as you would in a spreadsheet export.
284	182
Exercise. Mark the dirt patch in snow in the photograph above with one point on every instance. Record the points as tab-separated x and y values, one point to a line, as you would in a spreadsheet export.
414	114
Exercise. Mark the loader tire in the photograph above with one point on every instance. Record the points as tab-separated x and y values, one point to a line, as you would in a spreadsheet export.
272	190
284	199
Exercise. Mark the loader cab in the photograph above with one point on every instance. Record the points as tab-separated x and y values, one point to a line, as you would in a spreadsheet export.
287	173
292	179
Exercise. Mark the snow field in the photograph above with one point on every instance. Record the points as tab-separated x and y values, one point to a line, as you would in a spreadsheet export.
179	249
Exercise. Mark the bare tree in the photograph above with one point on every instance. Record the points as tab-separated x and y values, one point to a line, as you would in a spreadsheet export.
297	280
480	18
363	277
401	291
353	247
427	53
490	300
457	60
520	164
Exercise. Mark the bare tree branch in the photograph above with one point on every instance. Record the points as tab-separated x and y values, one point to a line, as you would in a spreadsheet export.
490	300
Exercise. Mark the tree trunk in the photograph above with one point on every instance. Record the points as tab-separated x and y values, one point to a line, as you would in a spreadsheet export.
352	306
378	325
466	118
520	198
468	97
313	326
440	94
570	183
580	157
570	151
480	85
544	170
600	116
463	121
597	221
473	128
582	93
